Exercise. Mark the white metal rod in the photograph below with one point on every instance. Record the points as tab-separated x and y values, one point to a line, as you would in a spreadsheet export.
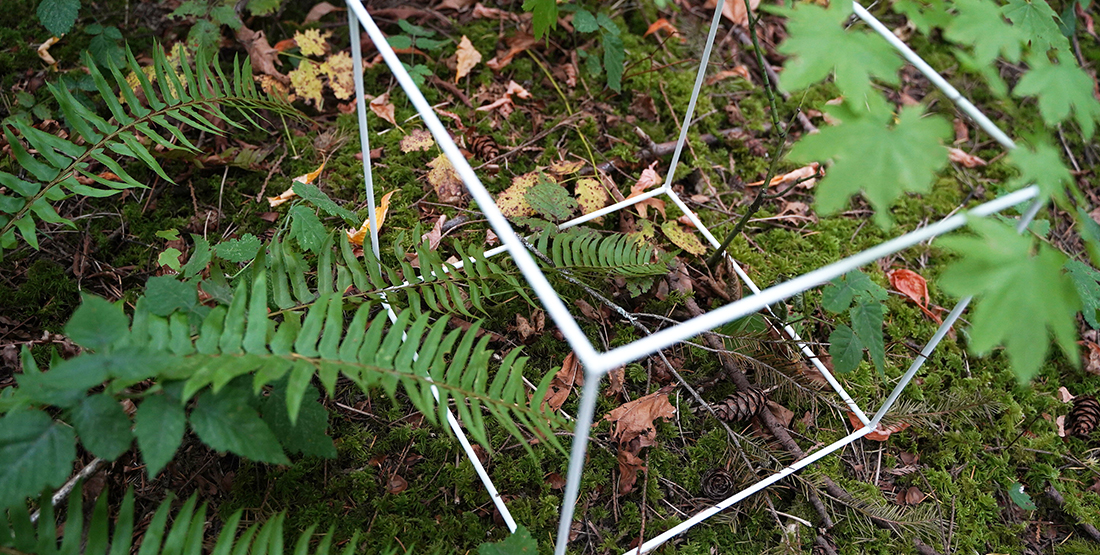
1021	226
715	22
690	328
703	515
802	346
553	304
614	207
364	140
581	429
936	79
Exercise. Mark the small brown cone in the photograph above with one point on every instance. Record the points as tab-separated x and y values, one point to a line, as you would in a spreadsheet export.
1083	417
741	405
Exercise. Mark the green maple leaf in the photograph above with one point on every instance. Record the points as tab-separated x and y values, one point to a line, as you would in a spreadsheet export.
925	14
1038	22
980	24
879	161
1010	278
1041	166
817	36
1060	88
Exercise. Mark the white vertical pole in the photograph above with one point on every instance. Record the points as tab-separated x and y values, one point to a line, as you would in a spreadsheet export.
364	140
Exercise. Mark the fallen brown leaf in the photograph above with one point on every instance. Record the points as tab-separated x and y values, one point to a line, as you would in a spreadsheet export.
1092	361
448	187
561	385
634	420
382	108
357	236
616	379
962	132
396	485
662	25
44	50
739	71
505	102
320	10
629	465
734	11
913	286
649	178
964	159
517	44
882	433
467	58
555	480
1064	395
803	174
263	56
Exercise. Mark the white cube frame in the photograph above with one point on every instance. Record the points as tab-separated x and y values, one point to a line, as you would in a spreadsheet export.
597	364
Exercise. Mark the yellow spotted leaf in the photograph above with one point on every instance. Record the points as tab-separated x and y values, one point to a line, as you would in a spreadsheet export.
565	167
591	196
467	56
513	201
448	187
683	238
356	236
311	41
419	139
306	81
340	78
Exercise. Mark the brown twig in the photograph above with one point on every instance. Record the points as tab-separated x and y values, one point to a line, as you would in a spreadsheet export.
1087	528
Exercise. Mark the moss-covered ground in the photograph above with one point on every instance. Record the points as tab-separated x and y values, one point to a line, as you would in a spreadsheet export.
402	482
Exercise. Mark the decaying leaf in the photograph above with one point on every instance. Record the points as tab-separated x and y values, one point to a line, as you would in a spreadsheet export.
616	380
804	174
634	420
662	25
289	193
649	178
396	484
260	52
883	432
419	139
448	187
964	159
320	10
513	201
734	11
306	81
561	385
382	108
683	238
356	236
565	167
910	284
467	58
629	466
44	50
591	196
505	102
338	69
739	71
517	44
311	41
911	496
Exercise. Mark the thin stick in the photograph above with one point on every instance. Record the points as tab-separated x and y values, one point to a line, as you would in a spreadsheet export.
66	489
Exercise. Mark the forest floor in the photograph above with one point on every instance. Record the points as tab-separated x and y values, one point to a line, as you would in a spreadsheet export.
944	481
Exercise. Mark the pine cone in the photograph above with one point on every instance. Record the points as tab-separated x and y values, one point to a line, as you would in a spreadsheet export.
1083	417
741	405
717	484
483	147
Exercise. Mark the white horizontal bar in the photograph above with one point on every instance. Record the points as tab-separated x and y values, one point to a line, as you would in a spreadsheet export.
703	515
614	207
743	307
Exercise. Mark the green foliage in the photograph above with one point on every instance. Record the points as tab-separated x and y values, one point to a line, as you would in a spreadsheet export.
864	297
582	252
207	18
1073	92
614	53
239	250
192	98
545	15
1020	497
1012	278
58	16
35	453
519	543
1041	166
1085	280
18	535
550	199
871	156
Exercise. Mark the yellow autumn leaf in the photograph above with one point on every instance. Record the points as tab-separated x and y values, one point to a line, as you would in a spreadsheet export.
468	57
683	238
419	139
306	81
357	236
289	193
591	195
340	78
513	201
443	178
311	42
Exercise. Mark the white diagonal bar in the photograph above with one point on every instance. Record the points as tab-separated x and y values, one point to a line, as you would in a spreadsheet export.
741	308
703	515
581	429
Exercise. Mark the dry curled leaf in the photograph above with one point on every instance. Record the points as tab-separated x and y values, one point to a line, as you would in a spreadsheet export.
964	159
260	52
382	108
467	58
882	432
635	420
289	192
739	71
396	484
616	381
910	284
734	11
629	466
804	174
357	236
649	178
419	139
320	10
44	50
505	102
517	44
661	25
571	373
448	187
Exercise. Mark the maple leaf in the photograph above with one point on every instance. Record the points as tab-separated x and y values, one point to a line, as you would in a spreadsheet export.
879	161
925	14
979	23
419	139
1037	22
338	69
306	81
1010	278
467	57
1061	88
634	420
817	35
311	42
1041	166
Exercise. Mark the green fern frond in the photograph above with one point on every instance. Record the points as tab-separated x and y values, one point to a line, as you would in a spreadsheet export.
193	99
19	535
585	252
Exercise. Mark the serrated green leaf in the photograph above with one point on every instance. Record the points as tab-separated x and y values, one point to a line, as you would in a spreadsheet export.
1042	166
817	35
1038	22
169	234
614	56
307	228
550	199
200	257
35	453
925	14
159	426
1020	497
103	426
319	199
58	16
227	422
979	23
867	324
999	268
585	22
544	15
170	257
881	162
519	543
97	323
1061	88
845	348
308	436
166	294
239	250
399	42
1085	279
263	7
837	295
